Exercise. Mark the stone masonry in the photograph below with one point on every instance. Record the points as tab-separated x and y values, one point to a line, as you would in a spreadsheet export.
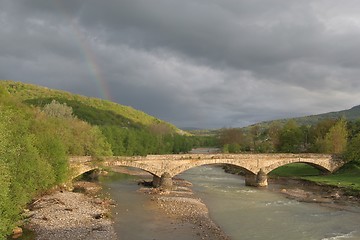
256	166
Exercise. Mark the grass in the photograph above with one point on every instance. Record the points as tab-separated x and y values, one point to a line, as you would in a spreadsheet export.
348	177
295	170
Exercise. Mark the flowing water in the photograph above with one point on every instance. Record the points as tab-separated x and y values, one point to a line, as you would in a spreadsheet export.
252	213
138	218
242	212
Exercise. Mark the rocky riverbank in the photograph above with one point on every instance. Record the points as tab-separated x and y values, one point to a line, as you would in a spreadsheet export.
306	191
71	215
82	215
183	206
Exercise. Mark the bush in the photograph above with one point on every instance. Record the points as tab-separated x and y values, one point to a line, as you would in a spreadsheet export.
53	150
6	206
23	172
58	110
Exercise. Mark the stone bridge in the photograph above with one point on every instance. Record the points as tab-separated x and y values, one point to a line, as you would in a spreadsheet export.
164	167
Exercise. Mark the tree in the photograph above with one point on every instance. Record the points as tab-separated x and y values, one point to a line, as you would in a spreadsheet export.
353	149
352	152
318	133
274	134
231	135
115	136
58	110
160	129
336	139
354	128
254	135
291	138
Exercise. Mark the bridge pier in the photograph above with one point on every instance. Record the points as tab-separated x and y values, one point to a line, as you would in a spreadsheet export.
256	180
156	181
166	181
261	179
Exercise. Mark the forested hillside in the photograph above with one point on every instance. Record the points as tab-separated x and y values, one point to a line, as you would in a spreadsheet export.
128	131
92	109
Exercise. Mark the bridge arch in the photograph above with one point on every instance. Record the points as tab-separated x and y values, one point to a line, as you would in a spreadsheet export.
186	166
83	164
321	167
149	169
77	171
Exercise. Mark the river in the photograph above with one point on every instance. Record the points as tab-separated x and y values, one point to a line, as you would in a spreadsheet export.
138	218
242	212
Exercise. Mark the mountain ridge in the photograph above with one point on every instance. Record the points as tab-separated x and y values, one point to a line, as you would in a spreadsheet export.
350	114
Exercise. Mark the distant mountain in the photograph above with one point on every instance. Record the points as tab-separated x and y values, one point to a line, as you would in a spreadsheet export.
349	114
93	110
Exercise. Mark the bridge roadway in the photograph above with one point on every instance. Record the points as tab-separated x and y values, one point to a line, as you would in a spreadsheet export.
165	167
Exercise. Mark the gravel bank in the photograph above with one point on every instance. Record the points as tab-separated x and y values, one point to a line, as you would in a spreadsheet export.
69	215
306	191
181	205
73	215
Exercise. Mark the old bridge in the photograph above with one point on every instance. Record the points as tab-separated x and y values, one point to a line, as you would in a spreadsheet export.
164	167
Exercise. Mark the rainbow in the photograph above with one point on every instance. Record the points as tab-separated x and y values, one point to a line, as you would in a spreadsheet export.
92	63
89	56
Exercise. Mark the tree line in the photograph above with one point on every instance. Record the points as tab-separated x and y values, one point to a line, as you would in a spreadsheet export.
125	136
333	136
34	148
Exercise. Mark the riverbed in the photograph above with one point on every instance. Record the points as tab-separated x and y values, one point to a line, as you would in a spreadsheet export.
242	212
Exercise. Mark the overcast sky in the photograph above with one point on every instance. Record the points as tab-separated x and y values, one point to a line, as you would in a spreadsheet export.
194	63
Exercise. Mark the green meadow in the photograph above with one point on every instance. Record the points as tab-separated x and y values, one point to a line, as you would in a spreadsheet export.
347	177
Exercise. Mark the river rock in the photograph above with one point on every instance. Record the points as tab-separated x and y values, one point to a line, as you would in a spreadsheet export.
17	232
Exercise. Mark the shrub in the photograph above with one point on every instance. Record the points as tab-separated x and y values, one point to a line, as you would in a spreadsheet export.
56	109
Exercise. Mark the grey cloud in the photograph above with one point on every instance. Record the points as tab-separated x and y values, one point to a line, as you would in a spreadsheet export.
202	63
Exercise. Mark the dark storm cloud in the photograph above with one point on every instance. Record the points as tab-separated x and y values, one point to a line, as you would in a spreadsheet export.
202	63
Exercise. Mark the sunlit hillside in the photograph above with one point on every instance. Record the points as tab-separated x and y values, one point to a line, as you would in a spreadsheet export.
93	110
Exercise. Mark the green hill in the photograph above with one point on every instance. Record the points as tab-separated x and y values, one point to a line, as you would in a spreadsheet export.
351	114
93	110
127	130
